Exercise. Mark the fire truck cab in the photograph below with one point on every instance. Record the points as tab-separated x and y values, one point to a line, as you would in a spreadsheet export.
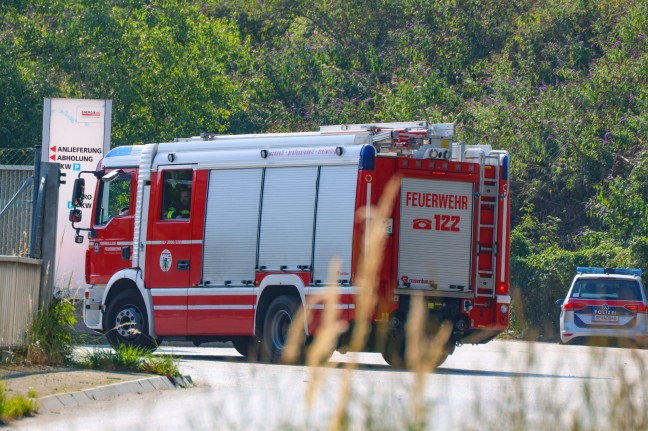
226	238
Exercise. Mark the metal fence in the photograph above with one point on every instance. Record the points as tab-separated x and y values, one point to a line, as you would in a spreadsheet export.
17	156
16	167
19	298
20	276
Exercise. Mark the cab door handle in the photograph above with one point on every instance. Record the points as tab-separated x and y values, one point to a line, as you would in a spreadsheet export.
126	252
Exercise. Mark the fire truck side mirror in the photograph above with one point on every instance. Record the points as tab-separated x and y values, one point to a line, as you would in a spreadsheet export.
77	194
75	215
78	239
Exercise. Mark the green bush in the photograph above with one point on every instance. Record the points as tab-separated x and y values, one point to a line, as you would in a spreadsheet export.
129	358
50	339
15	407
560	85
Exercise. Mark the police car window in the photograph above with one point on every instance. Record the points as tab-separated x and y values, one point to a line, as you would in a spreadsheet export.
176	194
115	198
627	290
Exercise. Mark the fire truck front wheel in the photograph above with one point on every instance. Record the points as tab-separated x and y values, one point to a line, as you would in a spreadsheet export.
127	322
274	337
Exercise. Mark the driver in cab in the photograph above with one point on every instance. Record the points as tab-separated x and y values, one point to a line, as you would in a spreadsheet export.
181	209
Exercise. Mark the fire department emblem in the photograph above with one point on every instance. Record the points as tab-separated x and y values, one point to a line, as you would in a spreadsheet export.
165	260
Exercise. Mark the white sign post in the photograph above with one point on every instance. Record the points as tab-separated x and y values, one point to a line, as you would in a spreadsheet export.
76	134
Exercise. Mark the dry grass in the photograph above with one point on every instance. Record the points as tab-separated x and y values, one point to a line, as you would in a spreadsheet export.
422	355
622	405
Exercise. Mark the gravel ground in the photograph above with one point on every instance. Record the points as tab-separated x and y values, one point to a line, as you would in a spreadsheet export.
50	380
21	378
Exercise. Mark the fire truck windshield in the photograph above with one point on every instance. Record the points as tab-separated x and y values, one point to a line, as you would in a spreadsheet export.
114	197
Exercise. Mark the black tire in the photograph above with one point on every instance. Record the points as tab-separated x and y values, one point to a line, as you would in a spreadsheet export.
246	346
126	322
242	346
274	335
394	352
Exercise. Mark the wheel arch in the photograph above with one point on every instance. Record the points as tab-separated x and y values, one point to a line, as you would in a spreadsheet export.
128	280
269	293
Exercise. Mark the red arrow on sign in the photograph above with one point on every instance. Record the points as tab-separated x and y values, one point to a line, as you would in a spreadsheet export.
53	148
53	157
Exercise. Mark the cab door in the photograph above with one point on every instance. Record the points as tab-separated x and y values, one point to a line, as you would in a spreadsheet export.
110	244
169	248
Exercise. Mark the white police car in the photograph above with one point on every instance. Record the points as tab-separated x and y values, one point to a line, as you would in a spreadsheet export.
603	306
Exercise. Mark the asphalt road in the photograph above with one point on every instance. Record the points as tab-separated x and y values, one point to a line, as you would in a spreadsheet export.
500	385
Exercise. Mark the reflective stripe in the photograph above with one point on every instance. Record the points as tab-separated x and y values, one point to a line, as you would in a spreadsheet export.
503	299
111	243
222	291
170	307
169	292
221	307
367	220
201	307
321	306
172	241
173	213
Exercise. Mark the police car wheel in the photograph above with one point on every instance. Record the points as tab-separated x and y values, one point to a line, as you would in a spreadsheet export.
127	322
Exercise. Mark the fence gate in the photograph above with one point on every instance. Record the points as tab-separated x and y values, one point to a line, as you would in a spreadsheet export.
19	275
16	167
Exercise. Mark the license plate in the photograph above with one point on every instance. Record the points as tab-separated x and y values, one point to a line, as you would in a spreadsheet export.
605	318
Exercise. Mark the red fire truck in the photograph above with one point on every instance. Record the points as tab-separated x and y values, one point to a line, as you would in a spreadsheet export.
225	238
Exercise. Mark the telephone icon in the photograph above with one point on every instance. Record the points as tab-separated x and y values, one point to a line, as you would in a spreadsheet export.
422	224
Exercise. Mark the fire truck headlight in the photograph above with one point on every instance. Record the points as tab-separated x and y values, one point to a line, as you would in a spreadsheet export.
504	308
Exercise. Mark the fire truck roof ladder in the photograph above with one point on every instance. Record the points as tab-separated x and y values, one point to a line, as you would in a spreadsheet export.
441	130
402	139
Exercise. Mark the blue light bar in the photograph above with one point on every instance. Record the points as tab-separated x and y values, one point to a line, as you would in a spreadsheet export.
618	271
505	167
590	270
120	151
367	157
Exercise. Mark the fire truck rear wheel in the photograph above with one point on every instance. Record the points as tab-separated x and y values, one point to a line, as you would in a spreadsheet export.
274	336
395	350
247	346
127	322
394	354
